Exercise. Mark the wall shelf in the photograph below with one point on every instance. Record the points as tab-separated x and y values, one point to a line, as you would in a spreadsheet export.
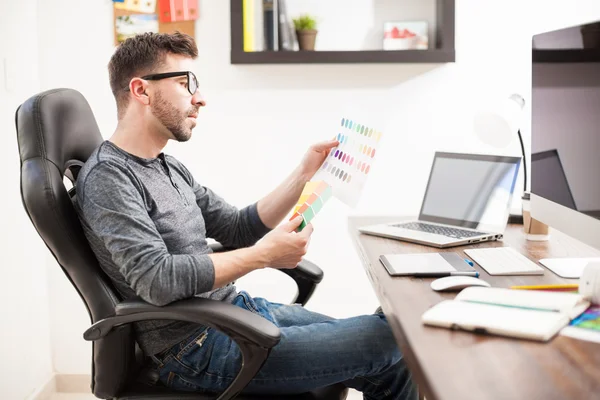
332	57
443	52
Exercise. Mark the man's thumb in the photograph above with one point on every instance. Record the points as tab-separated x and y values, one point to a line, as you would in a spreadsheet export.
293	224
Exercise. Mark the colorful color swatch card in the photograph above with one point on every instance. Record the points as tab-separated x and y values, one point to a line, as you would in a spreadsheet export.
145	6
586	326
314	195
347	167
178	10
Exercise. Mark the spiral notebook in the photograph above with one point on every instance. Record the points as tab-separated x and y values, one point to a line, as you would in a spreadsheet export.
523	314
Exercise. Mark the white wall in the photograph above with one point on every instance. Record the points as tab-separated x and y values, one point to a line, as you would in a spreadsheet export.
25	345
261	118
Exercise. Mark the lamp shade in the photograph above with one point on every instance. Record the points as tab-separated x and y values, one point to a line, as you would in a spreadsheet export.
498	125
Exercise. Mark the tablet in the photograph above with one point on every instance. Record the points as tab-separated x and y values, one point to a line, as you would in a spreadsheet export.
426	264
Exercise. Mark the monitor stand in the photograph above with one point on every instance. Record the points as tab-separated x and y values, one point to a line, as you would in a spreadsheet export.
568	267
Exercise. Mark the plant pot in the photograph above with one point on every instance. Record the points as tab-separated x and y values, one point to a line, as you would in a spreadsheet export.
306	39
591	36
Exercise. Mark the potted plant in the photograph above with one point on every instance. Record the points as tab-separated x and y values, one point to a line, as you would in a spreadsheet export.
306	31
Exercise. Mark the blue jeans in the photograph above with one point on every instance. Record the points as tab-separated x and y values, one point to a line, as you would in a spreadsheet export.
314	351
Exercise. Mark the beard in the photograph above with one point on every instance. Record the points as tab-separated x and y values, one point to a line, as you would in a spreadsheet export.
172	118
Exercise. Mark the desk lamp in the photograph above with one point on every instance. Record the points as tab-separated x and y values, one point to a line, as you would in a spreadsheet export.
496	127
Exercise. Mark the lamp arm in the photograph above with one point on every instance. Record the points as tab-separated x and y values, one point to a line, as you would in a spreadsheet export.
524	163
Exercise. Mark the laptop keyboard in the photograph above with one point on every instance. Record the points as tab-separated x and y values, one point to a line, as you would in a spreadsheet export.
438	230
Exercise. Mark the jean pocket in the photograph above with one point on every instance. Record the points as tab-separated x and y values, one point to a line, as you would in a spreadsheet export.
194	356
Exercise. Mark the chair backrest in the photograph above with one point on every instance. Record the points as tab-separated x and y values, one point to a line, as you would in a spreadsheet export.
57	132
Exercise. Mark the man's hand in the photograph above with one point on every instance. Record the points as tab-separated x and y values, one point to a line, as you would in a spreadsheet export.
283	247
315	156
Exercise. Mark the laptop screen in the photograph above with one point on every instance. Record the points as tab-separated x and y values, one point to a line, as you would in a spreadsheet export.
548	178
470	190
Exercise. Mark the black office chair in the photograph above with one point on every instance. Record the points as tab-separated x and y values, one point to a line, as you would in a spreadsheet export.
57	132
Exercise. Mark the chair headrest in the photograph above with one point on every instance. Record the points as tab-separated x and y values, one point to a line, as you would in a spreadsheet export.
64	130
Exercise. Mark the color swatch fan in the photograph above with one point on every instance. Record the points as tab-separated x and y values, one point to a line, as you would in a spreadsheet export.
348	165
314	195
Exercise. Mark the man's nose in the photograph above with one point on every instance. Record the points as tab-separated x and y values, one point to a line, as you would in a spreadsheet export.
198	100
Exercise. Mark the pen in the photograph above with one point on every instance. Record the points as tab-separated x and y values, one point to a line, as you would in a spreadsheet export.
445	274
465	273
547	287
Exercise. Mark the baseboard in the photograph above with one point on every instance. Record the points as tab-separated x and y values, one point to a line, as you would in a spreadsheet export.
73	383
46	391
62	383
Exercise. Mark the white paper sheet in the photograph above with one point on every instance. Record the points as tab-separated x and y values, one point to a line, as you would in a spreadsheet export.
349	165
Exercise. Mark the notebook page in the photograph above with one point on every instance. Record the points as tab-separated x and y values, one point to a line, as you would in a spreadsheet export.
532	299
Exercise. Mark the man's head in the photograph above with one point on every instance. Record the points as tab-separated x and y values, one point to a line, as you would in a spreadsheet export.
151	78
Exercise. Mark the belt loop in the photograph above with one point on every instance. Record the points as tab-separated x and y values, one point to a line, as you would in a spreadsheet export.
156	361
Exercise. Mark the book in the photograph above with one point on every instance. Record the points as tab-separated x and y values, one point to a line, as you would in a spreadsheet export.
248	21
259	28
287	35
526	314
270	22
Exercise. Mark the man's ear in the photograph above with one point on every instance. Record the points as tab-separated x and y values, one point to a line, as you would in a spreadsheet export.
138	87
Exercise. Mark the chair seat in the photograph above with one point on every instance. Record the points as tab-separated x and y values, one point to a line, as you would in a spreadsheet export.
335	392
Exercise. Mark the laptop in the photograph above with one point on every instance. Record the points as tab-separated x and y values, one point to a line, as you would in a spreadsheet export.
467	200
548	178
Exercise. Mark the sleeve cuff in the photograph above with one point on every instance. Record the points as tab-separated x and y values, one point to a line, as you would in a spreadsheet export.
205	278
258	227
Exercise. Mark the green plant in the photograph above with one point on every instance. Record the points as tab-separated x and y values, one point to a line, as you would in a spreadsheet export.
305	22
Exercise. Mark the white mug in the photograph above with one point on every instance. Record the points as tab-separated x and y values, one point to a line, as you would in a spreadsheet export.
589	283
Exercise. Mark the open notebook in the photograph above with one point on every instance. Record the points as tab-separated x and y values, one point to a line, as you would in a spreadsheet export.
525	314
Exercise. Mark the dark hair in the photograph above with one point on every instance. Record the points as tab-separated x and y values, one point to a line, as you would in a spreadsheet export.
143	54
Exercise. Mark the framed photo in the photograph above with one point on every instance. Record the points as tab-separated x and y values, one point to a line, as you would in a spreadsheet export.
409	35
130	25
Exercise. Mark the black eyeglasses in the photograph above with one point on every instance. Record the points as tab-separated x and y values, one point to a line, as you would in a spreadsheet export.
192	81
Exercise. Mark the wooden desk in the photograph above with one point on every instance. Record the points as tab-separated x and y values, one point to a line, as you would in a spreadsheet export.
460	365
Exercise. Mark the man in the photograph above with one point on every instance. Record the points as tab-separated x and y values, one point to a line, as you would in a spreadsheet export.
147	221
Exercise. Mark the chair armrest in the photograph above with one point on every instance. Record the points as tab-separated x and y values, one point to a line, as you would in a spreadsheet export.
217	247
254	335
229	319
307	276
306	270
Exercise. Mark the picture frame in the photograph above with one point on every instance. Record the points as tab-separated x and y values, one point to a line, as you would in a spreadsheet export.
405	35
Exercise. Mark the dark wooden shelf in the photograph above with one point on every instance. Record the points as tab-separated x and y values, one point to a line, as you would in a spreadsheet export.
332	57
565	55
442	52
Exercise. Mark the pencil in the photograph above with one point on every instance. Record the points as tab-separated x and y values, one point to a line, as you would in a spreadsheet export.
547	287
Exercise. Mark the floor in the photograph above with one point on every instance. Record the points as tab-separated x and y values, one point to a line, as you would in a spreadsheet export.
354	395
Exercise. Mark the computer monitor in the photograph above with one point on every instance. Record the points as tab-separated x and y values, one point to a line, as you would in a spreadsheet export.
565	132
